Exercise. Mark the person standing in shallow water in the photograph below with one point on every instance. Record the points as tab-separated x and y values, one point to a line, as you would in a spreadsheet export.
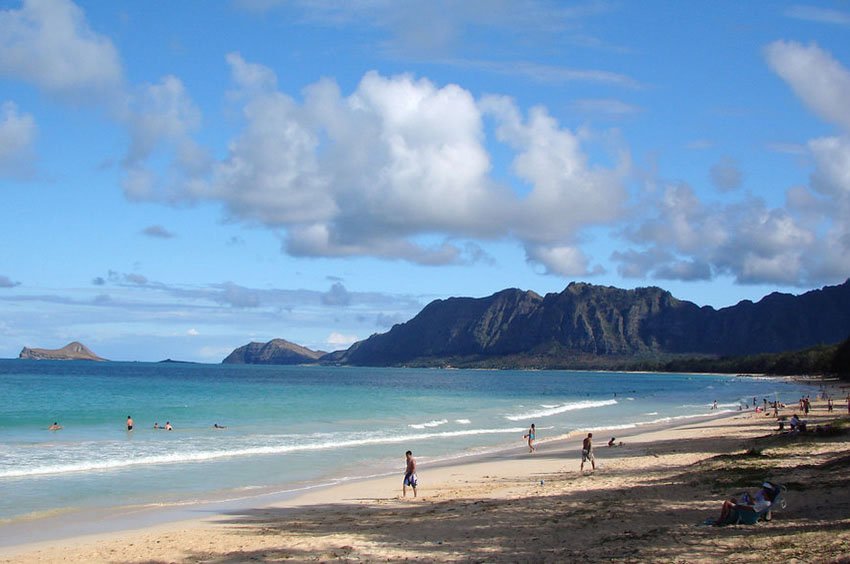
532	432
129	423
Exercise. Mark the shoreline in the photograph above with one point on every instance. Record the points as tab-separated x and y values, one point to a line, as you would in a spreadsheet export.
110	521
507	477
557	460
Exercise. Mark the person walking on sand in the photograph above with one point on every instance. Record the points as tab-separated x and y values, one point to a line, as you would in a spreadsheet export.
587	452
129	423
409	474
530	436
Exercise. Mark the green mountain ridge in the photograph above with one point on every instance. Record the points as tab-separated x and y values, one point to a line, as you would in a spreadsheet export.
588	326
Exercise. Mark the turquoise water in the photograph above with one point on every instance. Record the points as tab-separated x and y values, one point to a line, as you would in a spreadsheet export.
287	427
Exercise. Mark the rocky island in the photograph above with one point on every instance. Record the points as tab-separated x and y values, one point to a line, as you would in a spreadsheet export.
276	351
71	351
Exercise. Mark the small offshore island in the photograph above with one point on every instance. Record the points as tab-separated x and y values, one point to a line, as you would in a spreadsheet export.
72	351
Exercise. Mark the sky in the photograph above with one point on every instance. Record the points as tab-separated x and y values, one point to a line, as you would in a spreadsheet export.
181	178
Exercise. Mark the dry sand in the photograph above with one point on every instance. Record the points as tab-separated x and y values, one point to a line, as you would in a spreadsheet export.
646	501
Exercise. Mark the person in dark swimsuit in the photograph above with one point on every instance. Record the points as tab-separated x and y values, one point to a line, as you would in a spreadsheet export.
129	423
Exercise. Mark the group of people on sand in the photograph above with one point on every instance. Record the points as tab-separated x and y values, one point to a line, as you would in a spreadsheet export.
586	446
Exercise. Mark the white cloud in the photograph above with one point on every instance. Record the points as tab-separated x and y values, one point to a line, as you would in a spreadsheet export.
400	158
161	119
564	261
805	242
387	171
49	43
17	138
193	332
687	239
339	341
820	81
832	166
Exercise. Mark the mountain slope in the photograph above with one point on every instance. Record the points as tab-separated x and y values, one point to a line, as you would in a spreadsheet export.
598	321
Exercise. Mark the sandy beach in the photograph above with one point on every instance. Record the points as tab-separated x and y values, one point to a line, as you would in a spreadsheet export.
647	501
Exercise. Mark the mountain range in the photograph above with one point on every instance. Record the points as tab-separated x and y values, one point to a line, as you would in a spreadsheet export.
588	325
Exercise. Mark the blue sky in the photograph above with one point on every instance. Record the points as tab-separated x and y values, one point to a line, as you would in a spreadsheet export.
181	178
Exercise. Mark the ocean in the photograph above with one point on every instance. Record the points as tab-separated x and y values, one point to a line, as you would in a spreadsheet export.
287	428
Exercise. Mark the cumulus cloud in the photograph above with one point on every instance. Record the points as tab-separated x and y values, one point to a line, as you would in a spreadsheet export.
726	174
17	138
161	119
832	166
6	282
157	231
398	164
50	44
804	242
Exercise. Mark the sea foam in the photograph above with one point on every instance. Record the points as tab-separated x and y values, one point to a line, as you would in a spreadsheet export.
561	408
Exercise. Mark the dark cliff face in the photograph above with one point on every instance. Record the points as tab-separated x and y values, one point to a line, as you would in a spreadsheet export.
276	351
603	321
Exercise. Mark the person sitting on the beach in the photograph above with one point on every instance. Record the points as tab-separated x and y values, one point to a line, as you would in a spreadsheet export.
762	500
794	423
55	427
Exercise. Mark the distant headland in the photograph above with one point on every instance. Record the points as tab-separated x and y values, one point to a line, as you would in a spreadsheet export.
71	351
